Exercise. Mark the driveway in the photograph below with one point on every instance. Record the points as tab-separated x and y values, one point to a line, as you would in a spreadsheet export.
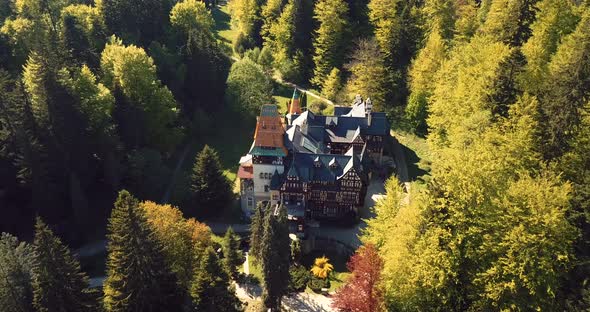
350	235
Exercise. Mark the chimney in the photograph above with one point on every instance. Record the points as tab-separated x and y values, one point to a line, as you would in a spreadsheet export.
369	110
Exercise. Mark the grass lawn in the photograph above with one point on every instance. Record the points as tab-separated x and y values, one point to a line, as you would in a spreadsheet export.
338	275
418	156
222	27
255	270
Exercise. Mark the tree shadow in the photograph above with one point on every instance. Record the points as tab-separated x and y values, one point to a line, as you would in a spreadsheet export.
222	22
303	304
415	172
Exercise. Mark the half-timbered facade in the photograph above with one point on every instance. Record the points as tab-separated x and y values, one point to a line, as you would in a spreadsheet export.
319	168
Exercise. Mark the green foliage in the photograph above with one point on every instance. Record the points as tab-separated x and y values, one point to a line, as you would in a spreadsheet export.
555	19
191	15
568	88
248	87
137	21
332	85
16	261
83	32
270	13
58	282
369	76
232	256
145	105
421	75
509	21
135	262
257	232
211	289
210	189
246	17
330	38
298	278
274	255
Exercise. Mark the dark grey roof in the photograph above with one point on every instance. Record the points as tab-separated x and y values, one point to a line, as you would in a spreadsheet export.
275	181
341	110
304	166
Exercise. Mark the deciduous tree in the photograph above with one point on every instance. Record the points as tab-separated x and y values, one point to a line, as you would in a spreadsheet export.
138	276
362	292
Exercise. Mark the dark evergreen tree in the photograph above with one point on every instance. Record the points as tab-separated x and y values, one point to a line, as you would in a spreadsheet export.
232	256
16	262
257	231
138	278
58	282
210	290
275	252
211	190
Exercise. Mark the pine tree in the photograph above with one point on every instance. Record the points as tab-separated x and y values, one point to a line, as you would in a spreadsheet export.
232	257
138	278
58	282
211	189
330	38
16	261
210	290
332	84
275	252
257	231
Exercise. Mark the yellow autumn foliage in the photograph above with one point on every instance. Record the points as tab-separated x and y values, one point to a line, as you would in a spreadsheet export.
321	267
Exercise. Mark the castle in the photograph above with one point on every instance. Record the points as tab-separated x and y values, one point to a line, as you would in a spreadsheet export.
317	166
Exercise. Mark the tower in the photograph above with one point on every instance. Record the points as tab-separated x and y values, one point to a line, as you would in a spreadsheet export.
295	107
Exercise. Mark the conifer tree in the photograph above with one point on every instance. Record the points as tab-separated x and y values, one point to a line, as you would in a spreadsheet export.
16	261
232	257
422	73
58	282
257	231
271	11
332	84
211	189
210	290
567	89
330	38
138	277
509	21
555	19
275	252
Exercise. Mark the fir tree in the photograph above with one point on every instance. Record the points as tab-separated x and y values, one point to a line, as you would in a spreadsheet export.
16	261
232	257
210	289
275	252
257	231
211	189
138	278
58	282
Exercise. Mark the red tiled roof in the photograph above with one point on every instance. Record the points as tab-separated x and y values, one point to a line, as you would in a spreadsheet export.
246	172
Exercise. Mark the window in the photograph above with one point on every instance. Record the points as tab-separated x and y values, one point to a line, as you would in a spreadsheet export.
266	188
262	175
250	201
275	197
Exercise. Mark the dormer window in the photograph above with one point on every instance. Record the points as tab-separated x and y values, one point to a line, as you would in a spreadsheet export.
333	163
317	163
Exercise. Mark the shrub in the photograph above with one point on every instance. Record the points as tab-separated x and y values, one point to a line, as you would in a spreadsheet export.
299	278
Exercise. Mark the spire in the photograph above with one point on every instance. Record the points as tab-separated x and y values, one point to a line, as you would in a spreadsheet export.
295	107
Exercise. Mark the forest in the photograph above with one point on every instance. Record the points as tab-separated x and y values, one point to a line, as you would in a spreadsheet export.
102	96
